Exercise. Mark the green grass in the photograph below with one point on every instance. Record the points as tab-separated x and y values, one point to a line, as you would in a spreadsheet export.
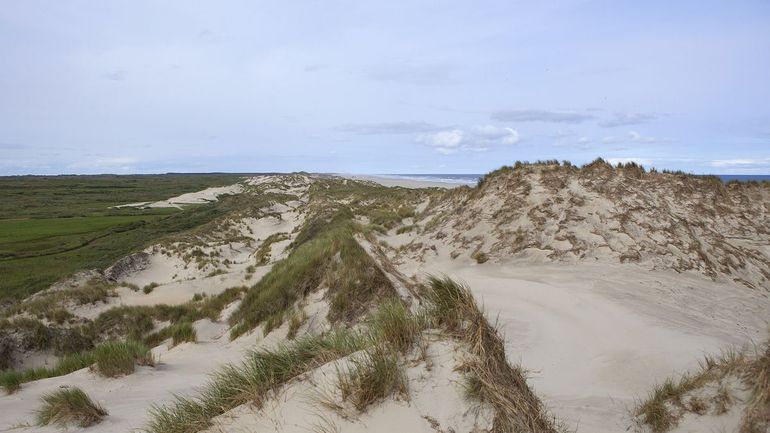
149	288
262	371
178	333
119	358
108	359
51	227
73	196
183	333
372	377
70	406
51	305
395	325
325	251
262	255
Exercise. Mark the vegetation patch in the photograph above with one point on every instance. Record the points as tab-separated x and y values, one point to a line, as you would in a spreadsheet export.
109	359
262	255
491	380
71	406
118	358
669	401
325	253
372	377
263	371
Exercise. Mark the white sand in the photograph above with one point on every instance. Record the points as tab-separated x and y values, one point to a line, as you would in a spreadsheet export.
597	338
199	197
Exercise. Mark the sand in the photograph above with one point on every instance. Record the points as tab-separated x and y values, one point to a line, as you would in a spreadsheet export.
199	197
595	337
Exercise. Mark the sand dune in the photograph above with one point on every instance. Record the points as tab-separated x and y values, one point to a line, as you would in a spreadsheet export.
595	332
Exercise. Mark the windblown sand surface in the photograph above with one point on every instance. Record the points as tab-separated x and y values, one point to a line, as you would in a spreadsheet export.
594	335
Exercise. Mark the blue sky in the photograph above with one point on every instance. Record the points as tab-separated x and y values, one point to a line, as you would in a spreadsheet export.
381	87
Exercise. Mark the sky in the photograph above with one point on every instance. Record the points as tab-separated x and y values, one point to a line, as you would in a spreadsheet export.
381	86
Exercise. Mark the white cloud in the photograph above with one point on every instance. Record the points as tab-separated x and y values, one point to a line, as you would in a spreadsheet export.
448	139
627	119
477	139
631	137
747	162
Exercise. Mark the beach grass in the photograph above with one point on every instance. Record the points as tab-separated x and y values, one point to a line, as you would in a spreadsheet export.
71	406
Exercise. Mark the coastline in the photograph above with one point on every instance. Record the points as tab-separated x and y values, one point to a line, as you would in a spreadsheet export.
402	182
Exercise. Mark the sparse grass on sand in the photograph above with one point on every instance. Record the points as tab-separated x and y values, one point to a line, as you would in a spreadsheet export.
371	377
668	401
325	252
113	358
262	371
71	406
490	379
375	372
178	333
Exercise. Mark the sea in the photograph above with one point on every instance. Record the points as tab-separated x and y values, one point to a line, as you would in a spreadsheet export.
472	179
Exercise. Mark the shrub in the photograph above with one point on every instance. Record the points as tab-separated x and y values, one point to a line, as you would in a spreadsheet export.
69	406
149	288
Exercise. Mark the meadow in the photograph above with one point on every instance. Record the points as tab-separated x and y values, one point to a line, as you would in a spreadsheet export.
53	226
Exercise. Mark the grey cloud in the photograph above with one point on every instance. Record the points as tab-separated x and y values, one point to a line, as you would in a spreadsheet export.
10	146
119	75
625	119
389	128
409	72
541	116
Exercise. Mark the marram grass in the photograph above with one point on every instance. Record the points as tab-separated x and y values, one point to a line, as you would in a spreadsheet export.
70	406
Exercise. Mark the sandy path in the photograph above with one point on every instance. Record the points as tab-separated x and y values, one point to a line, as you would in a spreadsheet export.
596	338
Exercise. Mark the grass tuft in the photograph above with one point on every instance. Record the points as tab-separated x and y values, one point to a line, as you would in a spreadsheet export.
395	325
262	371
118	358
372	377
70	406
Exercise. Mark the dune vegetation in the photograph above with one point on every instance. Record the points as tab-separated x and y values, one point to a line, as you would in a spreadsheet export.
68	407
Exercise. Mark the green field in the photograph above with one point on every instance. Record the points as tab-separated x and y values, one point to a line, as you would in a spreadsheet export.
51	227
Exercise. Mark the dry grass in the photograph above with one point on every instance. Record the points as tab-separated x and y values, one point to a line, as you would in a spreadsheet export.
491	380
756	419
667	402
70	406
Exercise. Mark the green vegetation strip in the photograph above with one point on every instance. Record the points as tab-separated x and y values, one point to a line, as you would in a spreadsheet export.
325	252
114	358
